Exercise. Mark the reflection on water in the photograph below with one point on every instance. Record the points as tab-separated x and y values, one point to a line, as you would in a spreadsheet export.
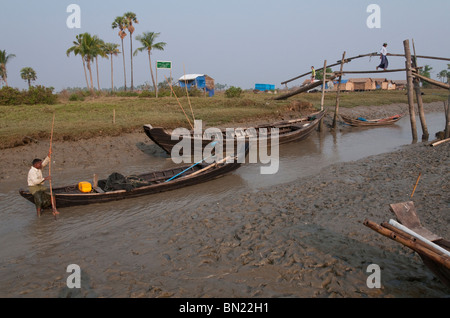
26	240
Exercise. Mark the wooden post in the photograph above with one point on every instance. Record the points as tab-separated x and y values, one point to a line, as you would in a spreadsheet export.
447	118
336	110
156	87
425	134
410	93
324	73
114	116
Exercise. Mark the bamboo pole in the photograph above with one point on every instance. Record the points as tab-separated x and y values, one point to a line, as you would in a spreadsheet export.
409	79
55	212
322	101
447	118
437	143
422	57
170	85
338	92
417	247
372	71
425	134
431	81
302	89
417	182
324	80
187	93
331	65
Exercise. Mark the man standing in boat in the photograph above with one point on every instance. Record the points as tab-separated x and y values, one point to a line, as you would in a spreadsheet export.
384	61
42	198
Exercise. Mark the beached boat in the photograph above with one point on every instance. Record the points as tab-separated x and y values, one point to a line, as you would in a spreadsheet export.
118	187
361	122
433	249
288	131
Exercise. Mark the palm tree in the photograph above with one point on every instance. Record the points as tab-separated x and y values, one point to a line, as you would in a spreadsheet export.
77	49
4	58
111	49
97	48
148	41
89	48
28	74
122	24
131	17
426	72
442	75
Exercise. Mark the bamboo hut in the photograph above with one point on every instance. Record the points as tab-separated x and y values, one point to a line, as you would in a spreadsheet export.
363	84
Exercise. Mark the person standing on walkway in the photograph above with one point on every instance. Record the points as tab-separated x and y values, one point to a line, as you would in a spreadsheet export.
384	61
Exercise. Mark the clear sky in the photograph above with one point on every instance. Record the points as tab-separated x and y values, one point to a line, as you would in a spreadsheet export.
236	42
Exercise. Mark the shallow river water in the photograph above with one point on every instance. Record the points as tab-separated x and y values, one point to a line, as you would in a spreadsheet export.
34	252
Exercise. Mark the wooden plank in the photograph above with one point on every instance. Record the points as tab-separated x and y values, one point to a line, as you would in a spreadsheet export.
302	89
431	81
405	213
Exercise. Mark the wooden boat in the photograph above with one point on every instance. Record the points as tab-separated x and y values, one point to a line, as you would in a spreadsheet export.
143	184
433	249
361	122
289	130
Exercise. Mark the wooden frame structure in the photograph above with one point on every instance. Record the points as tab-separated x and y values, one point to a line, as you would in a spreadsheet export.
413	85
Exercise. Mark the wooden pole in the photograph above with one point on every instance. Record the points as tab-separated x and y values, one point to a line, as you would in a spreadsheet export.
302	89
414	245
324	81
156	88
55	212
338	92
339	62
187	93
372	71
323	84
416	81
171	88
447	118
415	186
431	81
410	93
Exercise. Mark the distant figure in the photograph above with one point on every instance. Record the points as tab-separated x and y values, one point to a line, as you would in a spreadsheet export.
313	74
384	61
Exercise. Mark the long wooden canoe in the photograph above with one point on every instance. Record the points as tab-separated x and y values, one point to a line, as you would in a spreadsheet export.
288	130
143	184
433	249
361	122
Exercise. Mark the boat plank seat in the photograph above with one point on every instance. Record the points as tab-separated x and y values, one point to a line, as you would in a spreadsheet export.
406	215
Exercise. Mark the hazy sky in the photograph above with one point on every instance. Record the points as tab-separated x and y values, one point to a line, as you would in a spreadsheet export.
236	42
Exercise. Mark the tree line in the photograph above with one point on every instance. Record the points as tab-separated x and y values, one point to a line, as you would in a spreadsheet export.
90	47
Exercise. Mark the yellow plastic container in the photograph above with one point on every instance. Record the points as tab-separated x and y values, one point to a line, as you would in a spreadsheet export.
84	186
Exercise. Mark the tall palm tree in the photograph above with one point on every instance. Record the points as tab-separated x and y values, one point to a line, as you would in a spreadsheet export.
89	48
77	49
28	74
4	59
131	17
111	49
122	24
147	40
97	50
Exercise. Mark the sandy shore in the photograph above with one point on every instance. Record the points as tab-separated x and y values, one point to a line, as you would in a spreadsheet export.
305	237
